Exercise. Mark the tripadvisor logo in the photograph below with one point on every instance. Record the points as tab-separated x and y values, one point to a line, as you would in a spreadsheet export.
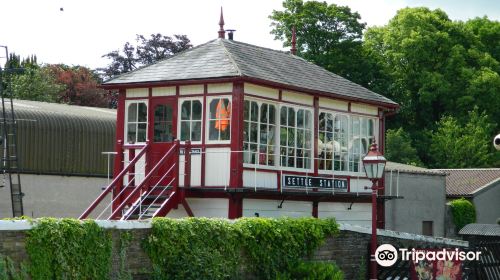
386	255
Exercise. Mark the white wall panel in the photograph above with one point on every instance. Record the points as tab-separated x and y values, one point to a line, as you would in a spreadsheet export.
217	164
259	179
163	91
191	89
358	185
137	92
261	91
333	104
364	109
220	88
359	214
269	208
195	170
297	97
209	207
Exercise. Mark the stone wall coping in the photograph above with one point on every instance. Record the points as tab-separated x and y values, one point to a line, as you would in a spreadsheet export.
404	235
28	224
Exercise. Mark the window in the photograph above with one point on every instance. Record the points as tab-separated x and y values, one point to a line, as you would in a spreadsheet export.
325	141
259	133
343	141
137	121
341	138
219	120
191	112
163	124
295	137
427	228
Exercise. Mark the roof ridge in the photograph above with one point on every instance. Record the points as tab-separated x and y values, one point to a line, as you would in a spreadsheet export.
469	169
158	61
231	59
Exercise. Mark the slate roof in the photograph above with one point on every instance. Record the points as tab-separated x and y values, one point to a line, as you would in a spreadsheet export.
481	229
469	181
221	58
406	168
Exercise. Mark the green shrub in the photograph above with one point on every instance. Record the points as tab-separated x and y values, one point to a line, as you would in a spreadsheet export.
9	271
200	248
312	271
463	212
68	249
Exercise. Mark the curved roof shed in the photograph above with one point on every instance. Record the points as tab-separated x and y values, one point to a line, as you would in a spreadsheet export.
63	139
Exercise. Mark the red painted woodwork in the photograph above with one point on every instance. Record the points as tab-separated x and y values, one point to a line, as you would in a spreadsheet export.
236	168
164	141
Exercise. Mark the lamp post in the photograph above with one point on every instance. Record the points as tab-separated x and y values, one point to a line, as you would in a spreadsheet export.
374	164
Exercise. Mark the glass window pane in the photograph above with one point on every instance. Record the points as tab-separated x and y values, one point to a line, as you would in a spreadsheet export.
246	132
270	155
283	116
254	112
322	121
141	132
197	110
329	122
291	137
246	109
308	120
272	114
253	132
196	131
263	113
213	108
213	133
283	136
132	112
143	112
270	135
263	134
225	134
291	117
186	110
131	131
185	127
300	138
300	118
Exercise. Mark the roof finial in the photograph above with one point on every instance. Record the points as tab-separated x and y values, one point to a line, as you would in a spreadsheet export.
294	41
222	33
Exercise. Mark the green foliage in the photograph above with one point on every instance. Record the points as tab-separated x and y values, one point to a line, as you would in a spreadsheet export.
362	271
125	239
68	249
463	212
37	84
215	249
460	146
312	271
327	34
399	147
433	67
8	270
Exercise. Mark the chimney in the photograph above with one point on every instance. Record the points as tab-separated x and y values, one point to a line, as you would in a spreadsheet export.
230	33
293	50
222	33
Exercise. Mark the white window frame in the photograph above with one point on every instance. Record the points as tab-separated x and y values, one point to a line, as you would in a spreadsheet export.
207	119
348	172
278	145
179	117
127	104
276	134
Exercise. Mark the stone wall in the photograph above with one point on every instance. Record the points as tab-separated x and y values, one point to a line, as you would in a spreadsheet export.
349	249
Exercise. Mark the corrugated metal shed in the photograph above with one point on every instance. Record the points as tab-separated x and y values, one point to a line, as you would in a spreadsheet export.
481	229
63	139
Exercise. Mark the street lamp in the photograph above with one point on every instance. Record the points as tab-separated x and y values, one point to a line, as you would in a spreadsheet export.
374	164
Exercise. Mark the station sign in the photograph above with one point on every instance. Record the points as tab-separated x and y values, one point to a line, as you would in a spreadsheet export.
293	181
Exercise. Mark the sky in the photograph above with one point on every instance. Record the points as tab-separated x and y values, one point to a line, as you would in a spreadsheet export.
86	30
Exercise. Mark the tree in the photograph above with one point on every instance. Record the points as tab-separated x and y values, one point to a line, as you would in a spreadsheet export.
37	84
147	51
461	146
327	35
79	86
433	67
399	147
